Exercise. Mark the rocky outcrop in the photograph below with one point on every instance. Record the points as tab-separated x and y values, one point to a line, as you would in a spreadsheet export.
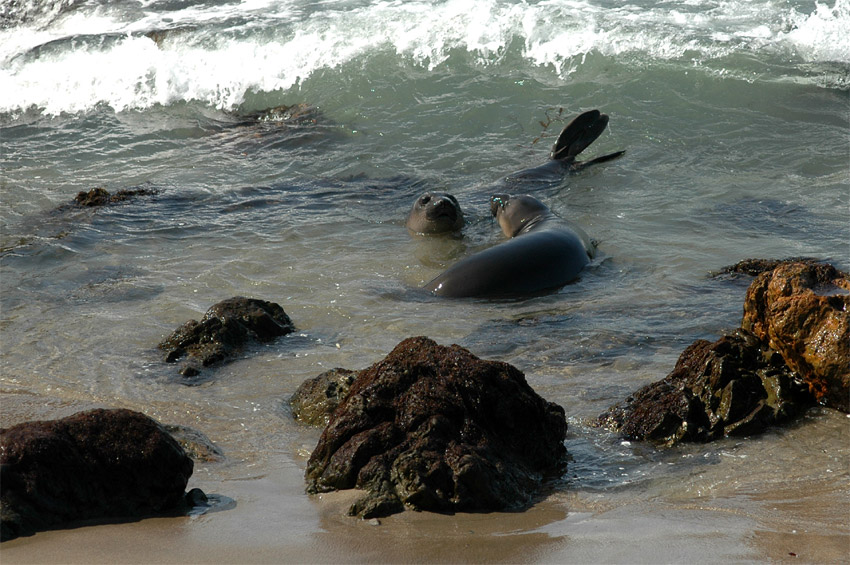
793	350
802	310
755	267
100	464
316	399
101	197
223	332
436	428
730	387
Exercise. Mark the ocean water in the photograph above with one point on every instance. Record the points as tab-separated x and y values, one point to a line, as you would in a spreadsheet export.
735	118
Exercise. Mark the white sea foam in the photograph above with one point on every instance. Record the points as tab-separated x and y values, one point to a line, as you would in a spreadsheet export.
823	35
223	52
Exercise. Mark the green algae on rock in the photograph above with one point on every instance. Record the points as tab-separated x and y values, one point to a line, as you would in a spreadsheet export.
316	399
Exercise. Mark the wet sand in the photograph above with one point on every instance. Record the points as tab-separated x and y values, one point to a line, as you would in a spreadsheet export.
274	523
271	520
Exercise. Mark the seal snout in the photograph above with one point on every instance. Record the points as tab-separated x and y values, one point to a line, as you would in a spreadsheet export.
440	206
498	202
435	212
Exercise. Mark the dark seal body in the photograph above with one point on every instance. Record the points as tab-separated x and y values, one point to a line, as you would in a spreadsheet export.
544	253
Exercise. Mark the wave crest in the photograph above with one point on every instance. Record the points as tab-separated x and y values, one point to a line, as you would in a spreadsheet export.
217	54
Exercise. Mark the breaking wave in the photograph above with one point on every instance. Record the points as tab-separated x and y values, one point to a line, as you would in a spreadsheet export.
64	56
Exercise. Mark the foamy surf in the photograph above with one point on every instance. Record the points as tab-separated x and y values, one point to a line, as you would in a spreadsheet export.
67	57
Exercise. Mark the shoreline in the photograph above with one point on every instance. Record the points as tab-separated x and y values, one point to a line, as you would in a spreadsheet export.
318	531
273	520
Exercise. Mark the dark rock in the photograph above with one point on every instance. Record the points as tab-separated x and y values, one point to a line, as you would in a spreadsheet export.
316	399
802	310
100	196
196	497
755	267
793	349
100	464
223	331
733	386
436	428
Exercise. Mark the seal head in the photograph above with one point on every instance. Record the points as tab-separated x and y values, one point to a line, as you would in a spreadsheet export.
517	214
434	213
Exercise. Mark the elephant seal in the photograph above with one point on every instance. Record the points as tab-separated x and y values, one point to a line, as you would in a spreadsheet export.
545	252
573	139
435	212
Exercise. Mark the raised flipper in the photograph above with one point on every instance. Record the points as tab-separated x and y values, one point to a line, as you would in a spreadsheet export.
577	136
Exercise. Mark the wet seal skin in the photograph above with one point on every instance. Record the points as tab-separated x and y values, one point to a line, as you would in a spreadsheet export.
545	252
435	213
576	136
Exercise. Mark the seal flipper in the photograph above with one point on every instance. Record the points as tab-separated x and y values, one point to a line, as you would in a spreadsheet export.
579	165
578	135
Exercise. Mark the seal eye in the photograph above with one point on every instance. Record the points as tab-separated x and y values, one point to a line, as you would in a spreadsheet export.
425	199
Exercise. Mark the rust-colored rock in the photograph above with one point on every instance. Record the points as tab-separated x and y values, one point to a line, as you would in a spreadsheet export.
99	464
801	311
730	387
436	428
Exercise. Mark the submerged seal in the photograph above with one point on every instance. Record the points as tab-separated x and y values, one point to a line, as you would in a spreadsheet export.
435	212
545	252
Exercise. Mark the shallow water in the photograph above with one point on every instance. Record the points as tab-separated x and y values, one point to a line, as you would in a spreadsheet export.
734	116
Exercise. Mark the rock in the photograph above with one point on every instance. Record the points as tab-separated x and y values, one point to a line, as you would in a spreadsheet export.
733	386
99	464
223	331
802	311
436	428
316	399
195	443
793	349
100	196
755	267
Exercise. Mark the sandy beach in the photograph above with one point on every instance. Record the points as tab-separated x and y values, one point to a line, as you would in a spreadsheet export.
267	518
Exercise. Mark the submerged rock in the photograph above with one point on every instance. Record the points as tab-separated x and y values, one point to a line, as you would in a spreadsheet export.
100	196
733	386
316	399
195	443
755	267
99	464
223	331
436	428
802	310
